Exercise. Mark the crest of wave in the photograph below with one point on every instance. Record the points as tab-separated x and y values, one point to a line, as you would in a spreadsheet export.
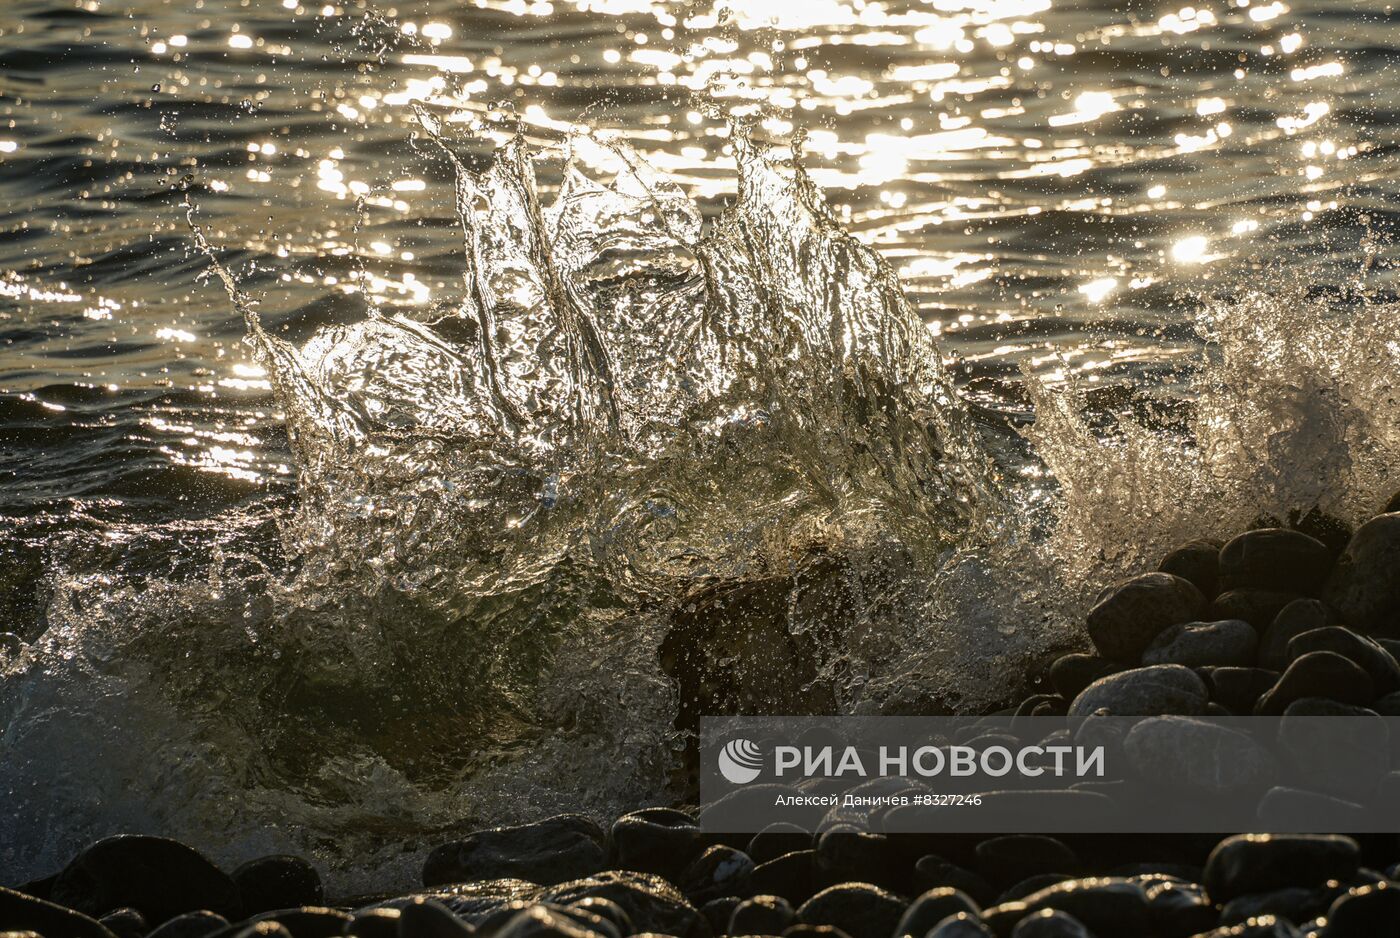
1293	408
647	468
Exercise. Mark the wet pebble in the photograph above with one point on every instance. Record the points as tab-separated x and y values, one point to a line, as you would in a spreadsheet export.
777	839
961	925
859	909
1238	689
191	925
1014	857
1132	614
1227	643
161	878
1253	863
792	876
309	921
1342	757
1371	911
1167	688
1198	756
932	907
652	904
277	882
934	872
1317	674
1178	909
1070	674
762	915
24	913
1370	656
1197	562
1049	923
374	923
1365	584
1276	559
428	918
1299	616
125	923
663	841
719	871
1257	607
551	851
718	911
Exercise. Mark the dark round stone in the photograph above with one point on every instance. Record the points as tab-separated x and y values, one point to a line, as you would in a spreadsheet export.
859	909
278	882
259	930
196	925
160	878
1365	584
1317	674
1106	905
125	923
719	871
1205	757
1255	863
1227	643
802	930
1197	562
851	855
1178	909
1366	911
652	904
606	909
656	840
1375	660
777	839
1299	616
374	923
1163	688
1070	674
1014	857
1296	903
1050	923
760	915
536	921
1031	884
961	925
1283	807
1275	559
718	911
551	851
24	913
934	872
792	876
932	907
1255	606
1134	612
1238	689
309	921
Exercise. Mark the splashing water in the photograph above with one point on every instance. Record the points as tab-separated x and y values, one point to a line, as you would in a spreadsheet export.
644	469
641	471
1291	418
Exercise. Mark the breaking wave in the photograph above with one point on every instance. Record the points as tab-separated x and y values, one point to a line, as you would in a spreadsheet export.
646	468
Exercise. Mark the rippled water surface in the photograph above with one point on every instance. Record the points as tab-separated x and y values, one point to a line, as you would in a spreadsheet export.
1047	178
538	376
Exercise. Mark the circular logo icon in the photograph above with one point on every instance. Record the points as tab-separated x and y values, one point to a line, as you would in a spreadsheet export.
740	761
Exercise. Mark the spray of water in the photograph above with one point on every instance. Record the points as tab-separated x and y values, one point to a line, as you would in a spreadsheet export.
645	468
